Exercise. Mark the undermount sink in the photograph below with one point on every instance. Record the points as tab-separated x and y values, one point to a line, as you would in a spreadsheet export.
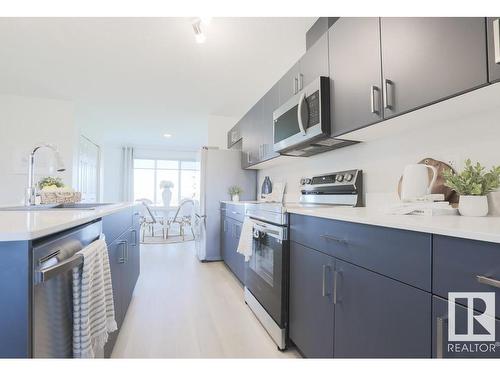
62	206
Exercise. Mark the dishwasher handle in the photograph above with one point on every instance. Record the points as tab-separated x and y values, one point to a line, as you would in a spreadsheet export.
48	273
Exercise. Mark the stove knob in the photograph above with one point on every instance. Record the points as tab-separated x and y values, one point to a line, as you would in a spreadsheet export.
340	178
349	177
305	181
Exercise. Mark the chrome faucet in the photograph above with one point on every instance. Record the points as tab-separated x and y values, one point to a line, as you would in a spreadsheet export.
31	189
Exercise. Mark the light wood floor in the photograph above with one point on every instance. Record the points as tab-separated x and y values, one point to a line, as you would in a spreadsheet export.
183	308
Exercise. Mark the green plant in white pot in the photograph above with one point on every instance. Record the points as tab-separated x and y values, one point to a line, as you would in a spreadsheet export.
472	184
235	192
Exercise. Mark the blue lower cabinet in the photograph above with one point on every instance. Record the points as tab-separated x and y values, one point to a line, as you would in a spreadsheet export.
461	265
230	236
311	314
400	254
124	260
15	301
465	322
378	317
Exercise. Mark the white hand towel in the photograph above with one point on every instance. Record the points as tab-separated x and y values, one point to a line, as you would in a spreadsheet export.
245	244
93	305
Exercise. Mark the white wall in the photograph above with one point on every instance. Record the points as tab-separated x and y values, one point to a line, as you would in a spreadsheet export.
24	122
110	172
463	127
218	126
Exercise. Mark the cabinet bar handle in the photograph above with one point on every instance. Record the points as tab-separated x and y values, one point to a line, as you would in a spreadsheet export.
440	336
387	102
496	39
324	293
333	238
122	257
372	99
295	85
335	282
135	237
301	81
488	281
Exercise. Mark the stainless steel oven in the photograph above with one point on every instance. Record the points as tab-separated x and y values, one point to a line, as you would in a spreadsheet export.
266	278
302	125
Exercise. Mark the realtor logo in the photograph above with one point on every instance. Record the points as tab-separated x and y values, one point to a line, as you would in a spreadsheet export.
480	326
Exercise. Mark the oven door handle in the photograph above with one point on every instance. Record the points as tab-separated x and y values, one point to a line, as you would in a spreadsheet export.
271	232
301	109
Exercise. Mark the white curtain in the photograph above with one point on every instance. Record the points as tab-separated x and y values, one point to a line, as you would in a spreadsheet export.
127	174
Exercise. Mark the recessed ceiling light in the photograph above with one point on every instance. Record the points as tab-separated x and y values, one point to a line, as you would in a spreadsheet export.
199	35
166	135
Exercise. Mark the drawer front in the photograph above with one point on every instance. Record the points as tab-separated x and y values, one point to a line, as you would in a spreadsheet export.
402	255
458	263
115	224
235	211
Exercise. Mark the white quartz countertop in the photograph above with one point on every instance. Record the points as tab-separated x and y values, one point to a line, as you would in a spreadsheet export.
475	228
24	225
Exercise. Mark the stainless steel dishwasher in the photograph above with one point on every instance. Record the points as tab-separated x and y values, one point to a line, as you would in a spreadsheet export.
53	261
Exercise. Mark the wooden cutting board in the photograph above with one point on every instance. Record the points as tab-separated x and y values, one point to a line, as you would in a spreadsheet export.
439	187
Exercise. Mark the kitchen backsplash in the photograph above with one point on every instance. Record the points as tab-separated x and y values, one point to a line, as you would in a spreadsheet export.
474	134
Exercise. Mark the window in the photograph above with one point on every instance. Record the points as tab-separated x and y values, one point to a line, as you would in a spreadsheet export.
150	173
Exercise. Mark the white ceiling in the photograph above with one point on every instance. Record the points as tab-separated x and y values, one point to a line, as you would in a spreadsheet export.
133	79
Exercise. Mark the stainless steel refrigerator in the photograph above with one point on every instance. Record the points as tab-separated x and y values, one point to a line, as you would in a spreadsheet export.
219	169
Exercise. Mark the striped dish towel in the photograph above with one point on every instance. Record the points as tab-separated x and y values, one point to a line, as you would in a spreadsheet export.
93	305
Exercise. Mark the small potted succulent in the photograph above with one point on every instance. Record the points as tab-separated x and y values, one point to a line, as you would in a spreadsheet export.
473	184
235	192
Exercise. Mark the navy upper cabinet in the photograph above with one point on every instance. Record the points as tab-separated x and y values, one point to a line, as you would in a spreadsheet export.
314	62
233	135
493	30
377	317
269	104
425	60
311	313
355	73
250	137
289	84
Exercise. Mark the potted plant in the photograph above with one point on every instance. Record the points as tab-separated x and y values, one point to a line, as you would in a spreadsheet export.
472	184
166	194
235	192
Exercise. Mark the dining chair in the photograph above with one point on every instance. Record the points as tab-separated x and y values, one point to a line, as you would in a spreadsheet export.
149	219
183	217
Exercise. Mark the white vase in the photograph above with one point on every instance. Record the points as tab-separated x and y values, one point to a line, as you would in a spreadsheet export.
473	205
166	197
235	198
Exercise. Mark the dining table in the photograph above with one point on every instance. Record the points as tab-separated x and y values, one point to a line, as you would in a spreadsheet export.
162	210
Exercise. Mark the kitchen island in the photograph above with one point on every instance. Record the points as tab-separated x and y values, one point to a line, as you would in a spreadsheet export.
21	232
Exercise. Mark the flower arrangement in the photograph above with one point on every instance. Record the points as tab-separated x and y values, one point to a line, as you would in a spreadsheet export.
166	184
50	183
473	180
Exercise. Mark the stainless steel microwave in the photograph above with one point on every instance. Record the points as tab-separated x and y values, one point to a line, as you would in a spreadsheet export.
302	125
